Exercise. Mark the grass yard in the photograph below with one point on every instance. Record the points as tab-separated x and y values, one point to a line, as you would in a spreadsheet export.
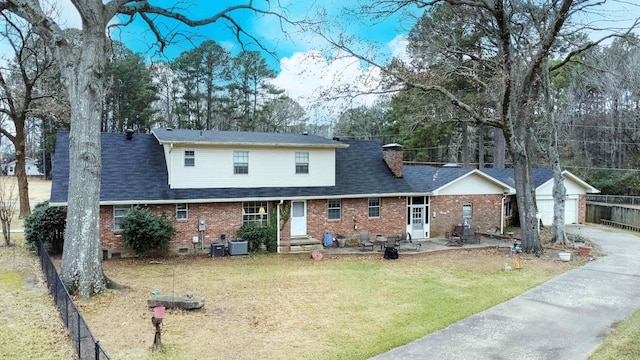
272	307
624	343
31	325
39	191
291	307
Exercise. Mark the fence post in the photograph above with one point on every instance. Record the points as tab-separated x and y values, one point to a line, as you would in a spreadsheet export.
79	335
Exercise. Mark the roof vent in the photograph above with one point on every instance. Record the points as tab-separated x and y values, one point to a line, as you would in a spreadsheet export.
169	129
336	138
129	134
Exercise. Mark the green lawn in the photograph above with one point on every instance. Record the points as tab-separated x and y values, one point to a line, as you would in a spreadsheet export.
31	326
624	343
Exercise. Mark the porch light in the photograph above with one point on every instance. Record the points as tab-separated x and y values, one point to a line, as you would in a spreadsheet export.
261	210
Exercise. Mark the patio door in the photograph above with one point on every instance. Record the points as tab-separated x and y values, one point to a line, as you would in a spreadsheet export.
298	218
417	222
418	217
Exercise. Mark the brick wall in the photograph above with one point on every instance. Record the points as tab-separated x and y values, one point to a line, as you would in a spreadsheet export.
486	211
582	209
221	218
392	218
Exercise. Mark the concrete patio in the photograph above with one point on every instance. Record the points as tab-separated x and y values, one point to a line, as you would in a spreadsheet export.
420	246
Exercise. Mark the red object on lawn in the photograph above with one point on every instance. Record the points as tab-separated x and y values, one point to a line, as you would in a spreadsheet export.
158	312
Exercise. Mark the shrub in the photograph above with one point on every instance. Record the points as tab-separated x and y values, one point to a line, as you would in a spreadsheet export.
257	235
48	221
147	232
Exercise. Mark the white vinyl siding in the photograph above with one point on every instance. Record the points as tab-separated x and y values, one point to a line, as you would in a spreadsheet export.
267	167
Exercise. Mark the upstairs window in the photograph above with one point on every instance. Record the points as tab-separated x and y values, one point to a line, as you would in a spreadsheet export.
302	162
240	162
374	207
189	158
334	209
182	211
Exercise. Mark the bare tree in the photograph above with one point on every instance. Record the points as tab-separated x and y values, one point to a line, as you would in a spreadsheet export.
7	206
517	39
19	93
82	62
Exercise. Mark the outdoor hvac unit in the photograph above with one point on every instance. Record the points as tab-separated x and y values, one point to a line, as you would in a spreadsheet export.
217	249
238	247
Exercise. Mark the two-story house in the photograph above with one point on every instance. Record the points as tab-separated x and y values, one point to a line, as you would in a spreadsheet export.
213	182
217	181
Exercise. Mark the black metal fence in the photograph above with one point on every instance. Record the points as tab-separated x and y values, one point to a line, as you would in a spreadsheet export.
85	344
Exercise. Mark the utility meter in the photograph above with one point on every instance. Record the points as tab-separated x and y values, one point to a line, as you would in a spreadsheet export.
201	225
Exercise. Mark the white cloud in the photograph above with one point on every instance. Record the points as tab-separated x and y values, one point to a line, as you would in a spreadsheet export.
398	47
327	86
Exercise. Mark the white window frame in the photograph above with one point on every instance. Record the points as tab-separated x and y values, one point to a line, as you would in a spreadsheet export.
302	162
371	202
182	211
334	205
119	212
467	210
240	162
189	158
251	212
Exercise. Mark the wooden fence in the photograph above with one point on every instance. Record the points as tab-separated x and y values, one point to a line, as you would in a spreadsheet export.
620	216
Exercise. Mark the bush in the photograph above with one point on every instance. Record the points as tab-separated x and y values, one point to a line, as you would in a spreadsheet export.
257	235
48	221
147	232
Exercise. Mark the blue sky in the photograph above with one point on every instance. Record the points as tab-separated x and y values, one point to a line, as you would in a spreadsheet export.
264	27
307	67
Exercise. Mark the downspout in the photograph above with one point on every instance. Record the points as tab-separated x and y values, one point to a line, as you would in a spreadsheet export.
278	226
504	196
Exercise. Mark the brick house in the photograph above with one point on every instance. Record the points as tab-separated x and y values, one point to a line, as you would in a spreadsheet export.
311	184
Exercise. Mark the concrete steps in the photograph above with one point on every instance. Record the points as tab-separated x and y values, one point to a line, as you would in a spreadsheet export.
305	244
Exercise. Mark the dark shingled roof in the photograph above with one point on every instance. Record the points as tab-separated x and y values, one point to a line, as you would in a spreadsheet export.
135	170
426	179
540	176
240	137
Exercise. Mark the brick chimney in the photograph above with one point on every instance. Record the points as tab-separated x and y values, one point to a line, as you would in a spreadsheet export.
392	155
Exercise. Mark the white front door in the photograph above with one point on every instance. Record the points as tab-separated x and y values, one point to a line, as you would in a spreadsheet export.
298	218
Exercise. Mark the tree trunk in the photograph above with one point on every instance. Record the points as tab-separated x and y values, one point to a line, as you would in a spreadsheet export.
480	146
81	263
559	191
21	171
525	196
499	146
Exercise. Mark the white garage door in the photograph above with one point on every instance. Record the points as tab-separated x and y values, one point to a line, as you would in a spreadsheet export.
545	207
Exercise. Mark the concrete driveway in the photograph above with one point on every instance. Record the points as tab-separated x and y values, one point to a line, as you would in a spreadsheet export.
565	318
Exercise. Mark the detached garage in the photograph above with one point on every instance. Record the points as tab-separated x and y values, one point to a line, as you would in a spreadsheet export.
576	190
